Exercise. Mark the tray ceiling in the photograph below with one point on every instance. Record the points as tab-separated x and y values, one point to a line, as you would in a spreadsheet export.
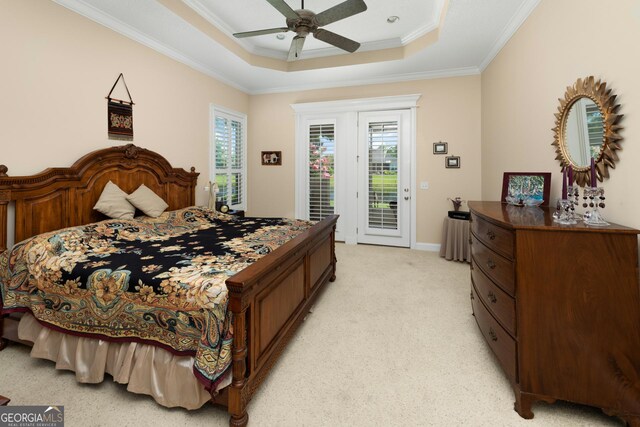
432	38
370	28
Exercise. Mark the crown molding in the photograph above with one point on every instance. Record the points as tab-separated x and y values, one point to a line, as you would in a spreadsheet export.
96	15
396	78
430	26
215	20
514	24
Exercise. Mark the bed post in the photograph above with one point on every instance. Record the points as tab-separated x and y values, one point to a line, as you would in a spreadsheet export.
334	259
237	396
5	196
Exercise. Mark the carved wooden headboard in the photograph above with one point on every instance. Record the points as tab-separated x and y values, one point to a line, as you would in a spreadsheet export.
64	197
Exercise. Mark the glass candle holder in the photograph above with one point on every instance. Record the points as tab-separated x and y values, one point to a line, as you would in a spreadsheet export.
564	215
594	199
573	195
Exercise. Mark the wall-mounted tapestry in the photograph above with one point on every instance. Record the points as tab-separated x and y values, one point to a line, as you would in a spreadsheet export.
120	115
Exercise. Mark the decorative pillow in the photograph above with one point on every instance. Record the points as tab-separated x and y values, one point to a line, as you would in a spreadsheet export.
147	201
113	203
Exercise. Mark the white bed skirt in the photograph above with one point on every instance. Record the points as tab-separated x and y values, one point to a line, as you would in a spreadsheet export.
146	369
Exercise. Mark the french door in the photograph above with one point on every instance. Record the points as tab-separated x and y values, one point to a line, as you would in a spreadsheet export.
384	174
354	158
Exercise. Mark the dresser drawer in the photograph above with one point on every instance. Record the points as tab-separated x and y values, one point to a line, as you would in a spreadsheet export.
497	238
499	303
499	269
502	345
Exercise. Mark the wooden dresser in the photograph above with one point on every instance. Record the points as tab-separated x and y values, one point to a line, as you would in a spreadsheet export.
559	306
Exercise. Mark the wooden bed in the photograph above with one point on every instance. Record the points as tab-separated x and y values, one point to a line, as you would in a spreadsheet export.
269	299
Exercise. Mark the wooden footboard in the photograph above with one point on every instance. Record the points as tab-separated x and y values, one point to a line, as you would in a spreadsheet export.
269	300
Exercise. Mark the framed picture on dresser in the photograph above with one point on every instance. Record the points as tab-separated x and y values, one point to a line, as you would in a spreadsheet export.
523	185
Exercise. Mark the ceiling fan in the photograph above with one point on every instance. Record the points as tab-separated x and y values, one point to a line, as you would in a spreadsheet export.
304	22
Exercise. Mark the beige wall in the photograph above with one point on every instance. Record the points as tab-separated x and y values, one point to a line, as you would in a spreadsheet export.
559	42
61	65
57	68
449	110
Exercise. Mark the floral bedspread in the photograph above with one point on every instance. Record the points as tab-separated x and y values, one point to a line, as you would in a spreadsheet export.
159	281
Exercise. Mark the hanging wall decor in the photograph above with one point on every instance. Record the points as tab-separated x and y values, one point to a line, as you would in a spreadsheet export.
120	115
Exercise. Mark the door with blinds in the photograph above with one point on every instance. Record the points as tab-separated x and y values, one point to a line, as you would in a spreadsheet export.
321	173
384	173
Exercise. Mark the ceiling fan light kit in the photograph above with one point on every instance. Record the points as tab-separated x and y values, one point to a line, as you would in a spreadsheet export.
304	22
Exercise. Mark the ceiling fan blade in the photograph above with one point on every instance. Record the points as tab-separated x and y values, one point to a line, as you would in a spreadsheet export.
284	8
336	40
340	11
296	48
260	32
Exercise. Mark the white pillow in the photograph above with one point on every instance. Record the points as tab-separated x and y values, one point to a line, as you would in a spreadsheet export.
113	203
147	201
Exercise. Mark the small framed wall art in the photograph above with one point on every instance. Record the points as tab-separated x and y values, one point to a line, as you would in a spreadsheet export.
440	147
452	162
271	158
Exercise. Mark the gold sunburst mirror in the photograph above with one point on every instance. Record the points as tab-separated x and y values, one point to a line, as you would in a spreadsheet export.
587	127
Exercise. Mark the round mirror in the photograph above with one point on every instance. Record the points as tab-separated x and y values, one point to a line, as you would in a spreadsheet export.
584	132
587	128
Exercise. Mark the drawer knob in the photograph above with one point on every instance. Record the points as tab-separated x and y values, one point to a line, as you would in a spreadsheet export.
492	334
491	264
492	297
491	235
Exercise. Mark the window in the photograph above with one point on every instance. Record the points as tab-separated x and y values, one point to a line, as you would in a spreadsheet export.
229	157
322	148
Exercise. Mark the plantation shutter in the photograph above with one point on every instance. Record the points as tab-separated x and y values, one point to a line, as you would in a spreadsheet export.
230	159
322	148
383	175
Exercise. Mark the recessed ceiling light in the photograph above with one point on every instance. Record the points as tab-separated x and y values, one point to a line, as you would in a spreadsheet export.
393	19
280	36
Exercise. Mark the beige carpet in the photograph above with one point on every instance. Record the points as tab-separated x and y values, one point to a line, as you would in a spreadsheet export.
391	342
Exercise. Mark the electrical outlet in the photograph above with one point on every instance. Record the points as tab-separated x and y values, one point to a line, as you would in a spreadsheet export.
424	185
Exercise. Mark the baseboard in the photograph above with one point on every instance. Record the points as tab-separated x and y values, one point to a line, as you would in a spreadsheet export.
431	247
